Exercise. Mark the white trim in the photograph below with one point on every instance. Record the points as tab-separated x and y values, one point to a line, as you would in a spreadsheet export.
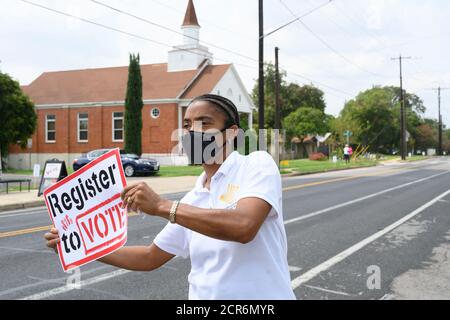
198	74
78	127
180	126
113	128
107	103
244	90
46	128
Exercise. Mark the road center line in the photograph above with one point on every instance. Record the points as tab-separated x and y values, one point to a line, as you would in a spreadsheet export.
358	246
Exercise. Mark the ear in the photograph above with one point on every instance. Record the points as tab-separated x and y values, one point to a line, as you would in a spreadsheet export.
232	132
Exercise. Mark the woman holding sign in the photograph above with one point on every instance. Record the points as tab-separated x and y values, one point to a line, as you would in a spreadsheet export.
230	225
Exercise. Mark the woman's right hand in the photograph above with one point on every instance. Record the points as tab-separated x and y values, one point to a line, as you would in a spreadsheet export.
52	238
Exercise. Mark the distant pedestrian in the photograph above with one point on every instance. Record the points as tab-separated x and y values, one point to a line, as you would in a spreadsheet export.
347	150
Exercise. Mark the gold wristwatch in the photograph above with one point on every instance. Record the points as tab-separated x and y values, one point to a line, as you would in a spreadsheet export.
173	211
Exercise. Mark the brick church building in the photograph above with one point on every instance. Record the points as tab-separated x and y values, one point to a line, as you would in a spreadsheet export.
83	110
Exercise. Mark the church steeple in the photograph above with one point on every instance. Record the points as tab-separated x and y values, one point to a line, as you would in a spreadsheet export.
190	18
190	54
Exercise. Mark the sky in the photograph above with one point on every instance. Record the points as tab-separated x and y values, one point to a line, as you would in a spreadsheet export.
343	47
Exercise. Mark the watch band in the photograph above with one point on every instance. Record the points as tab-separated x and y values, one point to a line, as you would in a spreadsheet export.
173	211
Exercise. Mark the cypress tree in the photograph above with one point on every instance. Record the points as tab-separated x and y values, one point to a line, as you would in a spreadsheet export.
133	108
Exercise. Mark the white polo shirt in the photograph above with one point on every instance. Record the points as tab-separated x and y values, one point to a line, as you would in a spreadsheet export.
226	270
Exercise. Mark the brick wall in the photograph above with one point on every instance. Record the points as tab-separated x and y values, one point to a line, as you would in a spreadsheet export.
156	133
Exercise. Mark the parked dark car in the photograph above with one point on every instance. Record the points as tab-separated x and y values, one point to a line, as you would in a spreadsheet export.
132	163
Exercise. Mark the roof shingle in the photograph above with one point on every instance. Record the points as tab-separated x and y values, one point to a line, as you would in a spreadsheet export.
109	84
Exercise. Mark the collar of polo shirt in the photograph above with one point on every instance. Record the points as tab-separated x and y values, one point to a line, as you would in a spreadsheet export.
223	170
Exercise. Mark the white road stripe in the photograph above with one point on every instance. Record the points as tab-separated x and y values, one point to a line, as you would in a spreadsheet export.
294	269
329	291
90	281
107	276
344	254
64	289
316	213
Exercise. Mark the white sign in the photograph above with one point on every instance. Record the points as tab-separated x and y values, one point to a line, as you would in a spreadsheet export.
37	170
52	170
86	208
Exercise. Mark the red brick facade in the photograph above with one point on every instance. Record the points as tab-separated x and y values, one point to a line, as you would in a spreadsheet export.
156	132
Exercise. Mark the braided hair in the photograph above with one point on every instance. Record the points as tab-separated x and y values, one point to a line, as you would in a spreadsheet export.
223	104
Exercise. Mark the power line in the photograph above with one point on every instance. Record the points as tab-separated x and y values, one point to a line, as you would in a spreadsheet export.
357	22
331	48
167	45
122	31
203	19
321	84
170	29
297	18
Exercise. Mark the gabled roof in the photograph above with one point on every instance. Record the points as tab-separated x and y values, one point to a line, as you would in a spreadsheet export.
190	18
206	82
110	84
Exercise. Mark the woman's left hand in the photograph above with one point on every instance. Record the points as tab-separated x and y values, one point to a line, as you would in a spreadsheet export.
140	197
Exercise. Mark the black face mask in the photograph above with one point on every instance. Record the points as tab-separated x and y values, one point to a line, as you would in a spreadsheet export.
200	147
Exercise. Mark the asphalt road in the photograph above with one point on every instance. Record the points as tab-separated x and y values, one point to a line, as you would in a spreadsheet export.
374	233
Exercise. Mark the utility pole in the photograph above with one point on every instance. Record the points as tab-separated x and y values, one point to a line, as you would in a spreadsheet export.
439	89
277	108
261	77
277	92
403	124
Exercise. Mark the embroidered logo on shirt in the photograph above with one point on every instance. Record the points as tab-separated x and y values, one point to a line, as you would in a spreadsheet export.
228	196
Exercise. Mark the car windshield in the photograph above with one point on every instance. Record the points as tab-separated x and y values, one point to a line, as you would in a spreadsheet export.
130	155
96	153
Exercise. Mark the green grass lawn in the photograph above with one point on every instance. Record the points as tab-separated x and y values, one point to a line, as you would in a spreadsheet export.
171	171
19	171
416	158
309	166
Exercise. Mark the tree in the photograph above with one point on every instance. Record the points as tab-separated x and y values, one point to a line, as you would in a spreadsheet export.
305	121
306	96
427	136
18	118
374	118
292	96
446	141
133	108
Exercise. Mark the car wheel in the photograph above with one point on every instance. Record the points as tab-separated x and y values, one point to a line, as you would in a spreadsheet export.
129	171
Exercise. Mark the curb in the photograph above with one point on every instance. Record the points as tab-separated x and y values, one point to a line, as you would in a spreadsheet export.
25	205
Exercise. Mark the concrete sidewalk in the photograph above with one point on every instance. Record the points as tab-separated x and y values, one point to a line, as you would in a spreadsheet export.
25	199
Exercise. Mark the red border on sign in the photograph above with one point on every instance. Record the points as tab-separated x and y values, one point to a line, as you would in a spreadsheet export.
96	256
114	152
104	203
